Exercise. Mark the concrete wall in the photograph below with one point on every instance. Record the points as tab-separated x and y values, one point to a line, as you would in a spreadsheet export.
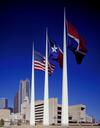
78	113
53	111
5	114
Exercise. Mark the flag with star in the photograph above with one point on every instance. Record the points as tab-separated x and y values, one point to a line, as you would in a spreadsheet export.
55	53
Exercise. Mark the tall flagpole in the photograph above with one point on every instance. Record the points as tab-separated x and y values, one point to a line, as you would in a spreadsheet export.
46	93
32	103
64	119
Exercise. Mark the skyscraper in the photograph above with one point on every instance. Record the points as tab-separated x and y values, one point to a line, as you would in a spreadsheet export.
16	102
24	90
3	103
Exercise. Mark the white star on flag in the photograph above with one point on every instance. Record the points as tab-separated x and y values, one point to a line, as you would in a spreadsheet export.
54	49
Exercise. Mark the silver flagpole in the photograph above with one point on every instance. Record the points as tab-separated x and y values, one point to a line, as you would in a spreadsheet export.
64	119
32	103
46	93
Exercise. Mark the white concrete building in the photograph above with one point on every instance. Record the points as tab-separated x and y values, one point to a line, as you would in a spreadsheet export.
25	110
89	119
77	113
14	117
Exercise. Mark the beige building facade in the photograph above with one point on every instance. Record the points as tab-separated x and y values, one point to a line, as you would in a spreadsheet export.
77	113
5	114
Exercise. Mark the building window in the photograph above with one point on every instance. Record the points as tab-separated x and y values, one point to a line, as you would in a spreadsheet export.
38	105
39	113
70	118
59	113
59	108
40	110
82	108
38	118
59	117
58	121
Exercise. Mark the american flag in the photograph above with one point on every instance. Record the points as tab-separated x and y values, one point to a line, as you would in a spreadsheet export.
39	63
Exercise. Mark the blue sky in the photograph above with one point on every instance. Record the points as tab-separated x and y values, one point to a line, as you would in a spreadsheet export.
21	23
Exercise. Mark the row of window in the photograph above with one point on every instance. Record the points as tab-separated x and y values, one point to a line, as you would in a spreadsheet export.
38	108
41	110
38	115
39	105
39	118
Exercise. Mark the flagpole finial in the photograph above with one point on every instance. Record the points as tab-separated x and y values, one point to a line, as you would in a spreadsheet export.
64	9
33	45
64	14
47	32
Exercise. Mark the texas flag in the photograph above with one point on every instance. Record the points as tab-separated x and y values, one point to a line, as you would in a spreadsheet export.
75	42
55	53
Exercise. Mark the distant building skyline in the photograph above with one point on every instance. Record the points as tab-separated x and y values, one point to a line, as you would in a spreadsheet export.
77	113
3	103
